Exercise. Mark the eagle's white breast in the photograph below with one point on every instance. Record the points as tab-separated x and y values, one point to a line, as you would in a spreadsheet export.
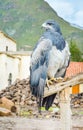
58	59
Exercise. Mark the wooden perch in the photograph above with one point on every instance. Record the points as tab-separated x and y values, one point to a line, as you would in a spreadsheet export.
56	87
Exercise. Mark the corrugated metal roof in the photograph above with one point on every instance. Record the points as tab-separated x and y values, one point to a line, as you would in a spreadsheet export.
74	68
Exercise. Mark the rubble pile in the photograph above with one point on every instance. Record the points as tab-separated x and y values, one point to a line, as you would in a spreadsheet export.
19	93
77	100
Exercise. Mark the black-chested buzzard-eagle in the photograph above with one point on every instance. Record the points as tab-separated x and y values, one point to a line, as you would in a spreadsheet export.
50	59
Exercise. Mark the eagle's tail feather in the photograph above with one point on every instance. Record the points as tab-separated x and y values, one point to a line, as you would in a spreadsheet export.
47	101
38	92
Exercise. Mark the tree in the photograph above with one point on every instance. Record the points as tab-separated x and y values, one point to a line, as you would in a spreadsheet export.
76	54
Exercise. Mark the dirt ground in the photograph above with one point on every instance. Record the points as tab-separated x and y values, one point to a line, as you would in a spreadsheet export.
40	123
22	123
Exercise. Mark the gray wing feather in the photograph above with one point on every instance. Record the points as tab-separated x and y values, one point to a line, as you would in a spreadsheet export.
44	46
39	65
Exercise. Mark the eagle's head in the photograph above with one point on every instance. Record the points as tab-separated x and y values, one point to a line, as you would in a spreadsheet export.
51	25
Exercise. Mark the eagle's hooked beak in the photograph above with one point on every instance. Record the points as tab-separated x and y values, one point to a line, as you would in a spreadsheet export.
44	25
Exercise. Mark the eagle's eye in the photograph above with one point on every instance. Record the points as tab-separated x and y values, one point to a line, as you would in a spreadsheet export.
49	23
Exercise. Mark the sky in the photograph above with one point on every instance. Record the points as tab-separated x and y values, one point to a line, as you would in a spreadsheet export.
69	10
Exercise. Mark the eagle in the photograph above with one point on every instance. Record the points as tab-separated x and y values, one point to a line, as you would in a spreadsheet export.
49	60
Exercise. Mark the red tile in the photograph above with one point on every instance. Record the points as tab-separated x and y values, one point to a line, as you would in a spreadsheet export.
74	69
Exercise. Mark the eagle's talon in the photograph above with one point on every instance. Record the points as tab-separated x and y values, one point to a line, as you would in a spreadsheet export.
48	83
53	79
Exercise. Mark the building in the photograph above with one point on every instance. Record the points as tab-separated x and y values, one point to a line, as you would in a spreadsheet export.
6	43
13	64
9	69
74	69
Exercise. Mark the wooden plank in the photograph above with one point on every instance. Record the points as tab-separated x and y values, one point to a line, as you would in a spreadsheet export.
56	87
8	104
5	112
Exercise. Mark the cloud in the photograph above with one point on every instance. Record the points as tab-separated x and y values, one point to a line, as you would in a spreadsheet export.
79	17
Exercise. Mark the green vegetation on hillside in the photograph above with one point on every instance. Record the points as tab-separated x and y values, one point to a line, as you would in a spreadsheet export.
76	54
22	19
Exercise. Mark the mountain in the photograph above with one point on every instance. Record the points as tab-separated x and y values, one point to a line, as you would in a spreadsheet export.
75	25
22	20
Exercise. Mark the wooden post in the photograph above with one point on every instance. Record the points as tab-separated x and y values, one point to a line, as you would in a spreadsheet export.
65	109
